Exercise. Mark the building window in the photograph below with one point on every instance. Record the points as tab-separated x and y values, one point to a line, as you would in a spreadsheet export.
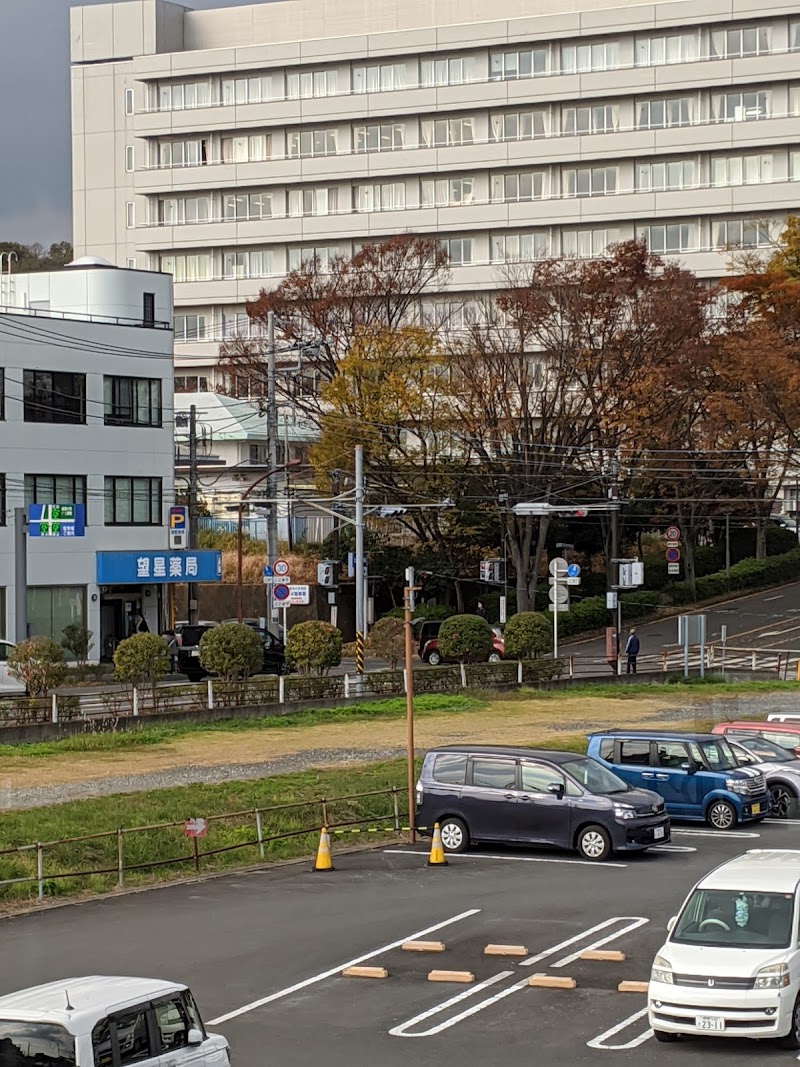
54	396
192	268
590	181
55	489
794	36
129	101
520	247
382	196
179	210
383	137
740	41
447	192
444	71
664	111
312	143
183	95
258	453
253	90
191	383
129	158
247	205
2	393
132	401
323	255
130	215
526	63
526	185
740	107
190	328
519	125
459	250
255	264
313	201
131	263
191	153
794	166
602	118
307	83
440	132
2	522
133	501
253	148
666	48
379	77
51	608
658	177
587	244
741	170
581	58
672	237
740	233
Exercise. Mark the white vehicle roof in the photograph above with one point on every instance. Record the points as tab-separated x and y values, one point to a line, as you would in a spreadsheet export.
757	871
92	998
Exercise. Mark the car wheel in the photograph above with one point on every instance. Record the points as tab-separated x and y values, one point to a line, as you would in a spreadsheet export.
193	676
455	835
495	657
792	1039
662	1035
784	800
594	843
721	815
434	658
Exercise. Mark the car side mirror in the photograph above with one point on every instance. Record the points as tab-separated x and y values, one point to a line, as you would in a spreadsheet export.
556	788
194	1037
671	924
688	767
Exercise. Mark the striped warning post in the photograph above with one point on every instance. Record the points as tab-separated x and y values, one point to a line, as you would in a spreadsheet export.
359	652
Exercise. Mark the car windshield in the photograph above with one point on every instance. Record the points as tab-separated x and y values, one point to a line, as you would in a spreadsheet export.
716	755
728	917
766	750
36	1044
593	776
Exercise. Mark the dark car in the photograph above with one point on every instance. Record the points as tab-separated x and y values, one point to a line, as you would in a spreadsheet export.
534	797
189	652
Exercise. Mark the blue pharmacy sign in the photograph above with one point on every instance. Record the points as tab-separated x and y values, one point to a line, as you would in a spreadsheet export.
179	565
56	520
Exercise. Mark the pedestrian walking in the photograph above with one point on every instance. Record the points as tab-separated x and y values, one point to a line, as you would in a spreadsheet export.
632	647
173	644
480	610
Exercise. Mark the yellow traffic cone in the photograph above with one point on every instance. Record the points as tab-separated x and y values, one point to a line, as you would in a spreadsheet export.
322	860
436	858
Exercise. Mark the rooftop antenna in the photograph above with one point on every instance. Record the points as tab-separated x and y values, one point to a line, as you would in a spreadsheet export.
69	1006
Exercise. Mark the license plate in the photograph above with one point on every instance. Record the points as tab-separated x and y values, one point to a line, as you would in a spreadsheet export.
658	833
195	652
710	1022
755	809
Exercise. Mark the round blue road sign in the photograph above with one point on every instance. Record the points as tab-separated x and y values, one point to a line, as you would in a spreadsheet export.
281	592
573	571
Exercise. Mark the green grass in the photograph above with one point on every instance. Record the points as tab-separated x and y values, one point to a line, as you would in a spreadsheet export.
705	686
392	708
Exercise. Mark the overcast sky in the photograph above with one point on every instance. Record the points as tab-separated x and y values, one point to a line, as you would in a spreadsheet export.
34	118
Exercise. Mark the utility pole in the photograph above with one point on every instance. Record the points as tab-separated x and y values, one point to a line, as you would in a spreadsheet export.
360	603
408	608
336	486
272	453
20	575
193	487
611	577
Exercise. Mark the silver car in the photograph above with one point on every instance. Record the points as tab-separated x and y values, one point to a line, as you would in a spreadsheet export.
778	766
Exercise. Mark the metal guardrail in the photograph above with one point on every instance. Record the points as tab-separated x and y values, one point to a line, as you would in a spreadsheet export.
250	828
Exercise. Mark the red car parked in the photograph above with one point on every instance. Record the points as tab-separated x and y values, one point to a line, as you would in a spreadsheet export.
430	651
785	734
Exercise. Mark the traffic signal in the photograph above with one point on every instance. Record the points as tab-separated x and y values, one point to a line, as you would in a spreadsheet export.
325	573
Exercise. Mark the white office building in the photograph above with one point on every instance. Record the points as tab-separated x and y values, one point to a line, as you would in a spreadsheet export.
86	419
226	145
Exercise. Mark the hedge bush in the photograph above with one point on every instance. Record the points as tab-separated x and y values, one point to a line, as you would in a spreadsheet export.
231	650
314	647
527	635
466	638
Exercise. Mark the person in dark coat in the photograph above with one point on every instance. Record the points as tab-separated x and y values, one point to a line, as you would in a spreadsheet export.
632	651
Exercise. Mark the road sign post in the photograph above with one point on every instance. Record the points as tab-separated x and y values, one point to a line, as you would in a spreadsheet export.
56	520
559	595
178	527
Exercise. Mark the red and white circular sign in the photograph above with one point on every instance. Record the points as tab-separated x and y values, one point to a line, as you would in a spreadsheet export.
673	534
281	568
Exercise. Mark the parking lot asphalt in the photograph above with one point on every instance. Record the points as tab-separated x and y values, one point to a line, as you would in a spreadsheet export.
263	953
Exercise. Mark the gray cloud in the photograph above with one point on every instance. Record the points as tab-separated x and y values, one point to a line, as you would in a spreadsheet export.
35	176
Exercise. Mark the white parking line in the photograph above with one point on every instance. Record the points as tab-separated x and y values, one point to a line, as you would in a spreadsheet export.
634	922
598	1042
340	967
778	596
515	859
719	834
673	848
399	1031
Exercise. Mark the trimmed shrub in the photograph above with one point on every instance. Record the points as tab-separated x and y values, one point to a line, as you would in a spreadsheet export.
141	660
314	647
77	639
231	650
39	664
528	635
387	641
466	638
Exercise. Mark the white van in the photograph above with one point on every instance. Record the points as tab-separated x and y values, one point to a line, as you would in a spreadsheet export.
107	1022
731	964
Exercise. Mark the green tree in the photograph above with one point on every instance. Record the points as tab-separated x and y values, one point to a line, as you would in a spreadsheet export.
231	650
141	660
527	635
314	647
387	640
39	664
466	638
77	640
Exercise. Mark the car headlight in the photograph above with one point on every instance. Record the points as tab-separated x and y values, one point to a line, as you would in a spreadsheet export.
662	971
776	976
622	811
736	785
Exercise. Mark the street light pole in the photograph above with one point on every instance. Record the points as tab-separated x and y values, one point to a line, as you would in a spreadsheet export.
239	535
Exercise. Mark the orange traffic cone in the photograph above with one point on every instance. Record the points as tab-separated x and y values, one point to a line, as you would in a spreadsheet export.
436	857
322	860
